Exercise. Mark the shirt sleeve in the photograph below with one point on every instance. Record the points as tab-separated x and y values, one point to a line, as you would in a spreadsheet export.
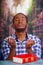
37	47
5	49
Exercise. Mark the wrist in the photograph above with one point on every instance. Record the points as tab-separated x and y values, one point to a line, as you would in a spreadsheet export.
29	50
13	51
12	47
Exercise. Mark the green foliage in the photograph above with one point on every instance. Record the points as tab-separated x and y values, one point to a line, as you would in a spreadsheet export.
30	24
30	9
30	27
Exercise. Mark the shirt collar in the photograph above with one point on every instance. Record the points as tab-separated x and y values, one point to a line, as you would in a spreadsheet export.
15	36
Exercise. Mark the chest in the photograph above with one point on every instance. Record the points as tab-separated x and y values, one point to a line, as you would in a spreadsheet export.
20	47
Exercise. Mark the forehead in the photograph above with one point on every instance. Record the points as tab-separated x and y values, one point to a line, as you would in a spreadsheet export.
20	15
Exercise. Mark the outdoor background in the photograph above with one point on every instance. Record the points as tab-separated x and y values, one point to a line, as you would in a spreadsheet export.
31	8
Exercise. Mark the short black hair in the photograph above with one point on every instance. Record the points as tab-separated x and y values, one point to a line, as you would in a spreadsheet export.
22	14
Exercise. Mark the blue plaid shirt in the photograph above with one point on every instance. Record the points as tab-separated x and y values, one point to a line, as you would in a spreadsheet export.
20	46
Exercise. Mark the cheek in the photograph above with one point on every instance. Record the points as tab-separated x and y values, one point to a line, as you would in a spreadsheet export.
15	25
25	24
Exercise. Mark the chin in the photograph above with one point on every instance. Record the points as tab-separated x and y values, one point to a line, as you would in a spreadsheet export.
20	29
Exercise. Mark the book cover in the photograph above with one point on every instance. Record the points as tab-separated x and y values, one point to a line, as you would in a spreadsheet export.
25	58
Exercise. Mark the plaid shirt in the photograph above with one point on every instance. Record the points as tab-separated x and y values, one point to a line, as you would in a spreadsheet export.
20	46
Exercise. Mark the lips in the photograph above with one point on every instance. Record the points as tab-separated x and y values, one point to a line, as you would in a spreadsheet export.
20	25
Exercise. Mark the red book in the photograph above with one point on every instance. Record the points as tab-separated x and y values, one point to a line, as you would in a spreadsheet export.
25	58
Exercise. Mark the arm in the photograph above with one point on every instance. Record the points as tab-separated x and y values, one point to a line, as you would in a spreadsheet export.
8	50
29	46
12	43
30	51
11	54
35	48
5	49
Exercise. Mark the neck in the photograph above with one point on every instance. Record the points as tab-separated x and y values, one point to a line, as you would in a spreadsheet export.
21	36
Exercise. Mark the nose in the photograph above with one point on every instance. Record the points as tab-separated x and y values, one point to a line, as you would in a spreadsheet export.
20	20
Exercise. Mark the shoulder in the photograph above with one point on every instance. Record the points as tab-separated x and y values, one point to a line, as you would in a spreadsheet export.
34	37
5	41
10	36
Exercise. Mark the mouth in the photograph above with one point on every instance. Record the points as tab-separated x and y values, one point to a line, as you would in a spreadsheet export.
20	25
